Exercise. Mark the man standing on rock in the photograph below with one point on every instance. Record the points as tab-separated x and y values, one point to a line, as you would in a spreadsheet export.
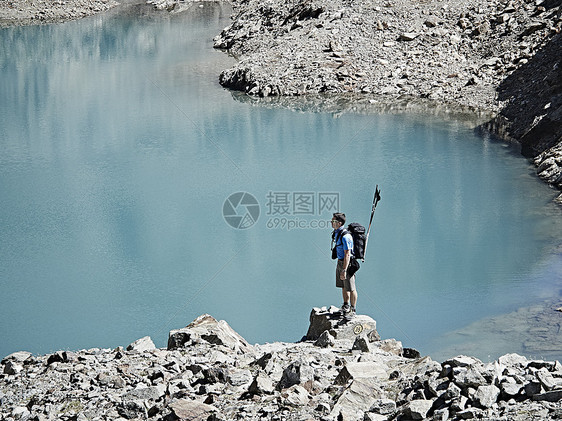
342	250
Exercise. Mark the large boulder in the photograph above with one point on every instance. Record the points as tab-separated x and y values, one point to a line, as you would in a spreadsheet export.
142	345
330	319
205	329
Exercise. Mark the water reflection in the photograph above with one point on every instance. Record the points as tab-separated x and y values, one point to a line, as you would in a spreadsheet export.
119	148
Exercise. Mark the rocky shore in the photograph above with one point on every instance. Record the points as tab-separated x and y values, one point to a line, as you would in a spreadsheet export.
33	12
338	371
501	56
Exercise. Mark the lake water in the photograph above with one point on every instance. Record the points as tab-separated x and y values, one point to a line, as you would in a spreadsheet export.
119	150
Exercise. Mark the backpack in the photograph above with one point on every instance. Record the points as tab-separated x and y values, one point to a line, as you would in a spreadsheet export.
357	232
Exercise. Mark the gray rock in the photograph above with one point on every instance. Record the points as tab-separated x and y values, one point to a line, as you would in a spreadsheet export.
441	414
325	340
206	329
240	377
20	357
357	398
369	416
546	379
142	345
468	377
390	345
291	375
187	409
408	36
145	393
533	388
452	392
510	390
552	396
486	396
322	319
295	395
361	370
383	406
469	414
463	361
12	368
513	360
361	344
261	385
418	409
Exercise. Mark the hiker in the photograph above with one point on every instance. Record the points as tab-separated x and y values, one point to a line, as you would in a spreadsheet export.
343	246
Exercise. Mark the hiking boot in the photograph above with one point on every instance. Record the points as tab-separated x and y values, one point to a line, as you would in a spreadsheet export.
347	317
345	308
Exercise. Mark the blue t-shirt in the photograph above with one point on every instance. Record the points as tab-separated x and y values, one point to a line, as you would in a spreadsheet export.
343	243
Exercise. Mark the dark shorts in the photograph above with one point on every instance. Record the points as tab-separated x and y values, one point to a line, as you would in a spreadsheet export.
348	283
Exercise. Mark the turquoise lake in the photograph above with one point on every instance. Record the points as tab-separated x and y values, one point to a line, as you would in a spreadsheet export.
119	150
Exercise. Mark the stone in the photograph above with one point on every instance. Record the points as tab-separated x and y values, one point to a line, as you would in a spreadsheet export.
383	406
57	357
291	375
374	417
12	368
552	396
463	361
546	379
322	319
510	390
295	395
486	396
142	345
361	344
325	340
452	392
411	353
20	357
408	36
510	360
391	346
20	412
145	393
533	388
468	377
361	370
357	398
418	409
187	409
261	385
441	414
240	377
206	329
469	414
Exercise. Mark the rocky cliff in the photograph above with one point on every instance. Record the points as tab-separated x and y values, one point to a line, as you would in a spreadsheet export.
499	55
33	12
339	371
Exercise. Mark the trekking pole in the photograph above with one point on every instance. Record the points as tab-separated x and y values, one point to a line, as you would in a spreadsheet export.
376	199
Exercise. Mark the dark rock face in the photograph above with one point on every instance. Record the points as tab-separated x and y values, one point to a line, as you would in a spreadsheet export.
533	110
216	375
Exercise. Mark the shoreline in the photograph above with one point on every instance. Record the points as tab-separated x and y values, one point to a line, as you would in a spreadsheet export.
497	57
492	58
337	371
39	12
